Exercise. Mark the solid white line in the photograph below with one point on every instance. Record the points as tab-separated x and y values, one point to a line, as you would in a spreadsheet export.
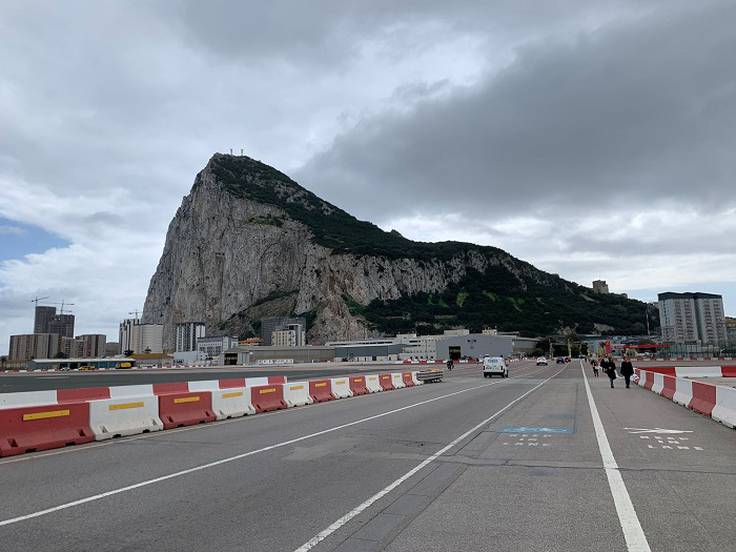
322	535
201	467
636	540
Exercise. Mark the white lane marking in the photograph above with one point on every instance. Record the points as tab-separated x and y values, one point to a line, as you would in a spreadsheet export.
208	465
322	535
636	540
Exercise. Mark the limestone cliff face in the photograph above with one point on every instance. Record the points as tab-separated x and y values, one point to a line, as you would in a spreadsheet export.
230	260
248	242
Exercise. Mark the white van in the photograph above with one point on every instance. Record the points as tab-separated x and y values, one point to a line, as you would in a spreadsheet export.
495	366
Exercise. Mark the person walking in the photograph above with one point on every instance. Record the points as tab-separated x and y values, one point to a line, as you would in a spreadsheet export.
594	365
627	370
609	367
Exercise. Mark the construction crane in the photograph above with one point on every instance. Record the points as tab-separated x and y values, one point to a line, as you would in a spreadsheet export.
36	299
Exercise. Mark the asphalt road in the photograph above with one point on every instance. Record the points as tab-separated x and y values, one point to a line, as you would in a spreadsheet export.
470	464
37	381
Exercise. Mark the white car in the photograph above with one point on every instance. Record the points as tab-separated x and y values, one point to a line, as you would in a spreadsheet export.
495	366
541	361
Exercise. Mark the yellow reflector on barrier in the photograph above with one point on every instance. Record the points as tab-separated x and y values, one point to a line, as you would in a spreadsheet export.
232	395
323	384
44	415
296	387
125	406
340	382
186	400
267	391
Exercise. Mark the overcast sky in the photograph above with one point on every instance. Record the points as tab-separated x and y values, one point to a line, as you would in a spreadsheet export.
593	139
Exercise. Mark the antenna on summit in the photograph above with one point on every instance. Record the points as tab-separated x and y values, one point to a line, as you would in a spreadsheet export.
241	152
231	151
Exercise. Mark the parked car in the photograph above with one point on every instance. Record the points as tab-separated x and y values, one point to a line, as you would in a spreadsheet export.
542	361
493	366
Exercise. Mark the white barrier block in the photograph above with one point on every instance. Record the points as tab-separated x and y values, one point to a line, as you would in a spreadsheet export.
230	403
698	371
252	382
725	408
397	380
296	393
131	391
658	384
110	418
643	375
341	387
415	378
372	383
204	385
27	398
683	391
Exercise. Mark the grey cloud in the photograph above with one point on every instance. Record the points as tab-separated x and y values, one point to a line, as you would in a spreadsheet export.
624	117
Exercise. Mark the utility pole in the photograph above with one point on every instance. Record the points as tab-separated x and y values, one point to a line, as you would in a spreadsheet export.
135	313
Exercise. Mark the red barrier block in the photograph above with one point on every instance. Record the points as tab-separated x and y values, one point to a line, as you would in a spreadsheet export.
232	383
170	387
320	390
266	398
704	398
667	370
385	382
185	409
276	379
407	361
82	395
728	371
408	379
650	381
357	385
669	388
33	428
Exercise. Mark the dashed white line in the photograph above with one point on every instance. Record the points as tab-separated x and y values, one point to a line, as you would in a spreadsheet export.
636	540
322	535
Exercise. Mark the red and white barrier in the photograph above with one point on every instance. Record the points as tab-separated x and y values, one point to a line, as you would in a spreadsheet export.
373	383
296	393
716	401
41	420
117	417
397	380
340	387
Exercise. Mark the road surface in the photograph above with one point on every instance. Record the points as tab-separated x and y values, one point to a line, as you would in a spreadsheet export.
470	464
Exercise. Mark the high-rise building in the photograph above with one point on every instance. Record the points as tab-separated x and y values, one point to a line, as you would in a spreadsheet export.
270	325
71	347
62	324
692	317
41	318
92	345
600	286
187	334
140	338
29	346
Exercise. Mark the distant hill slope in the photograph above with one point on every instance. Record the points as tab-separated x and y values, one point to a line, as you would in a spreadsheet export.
249	242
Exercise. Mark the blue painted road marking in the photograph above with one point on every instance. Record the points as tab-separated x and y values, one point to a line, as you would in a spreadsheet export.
524	429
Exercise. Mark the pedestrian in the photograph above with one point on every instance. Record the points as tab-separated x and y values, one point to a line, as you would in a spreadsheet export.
627	370
609	367
594	364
